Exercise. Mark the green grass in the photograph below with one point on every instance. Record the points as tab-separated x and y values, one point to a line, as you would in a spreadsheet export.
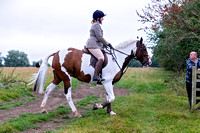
155	107
9	94
10	105
28	120
88	100
140	113
149	80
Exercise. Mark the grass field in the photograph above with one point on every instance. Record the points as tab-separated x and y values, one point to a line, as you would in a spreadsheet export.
154	107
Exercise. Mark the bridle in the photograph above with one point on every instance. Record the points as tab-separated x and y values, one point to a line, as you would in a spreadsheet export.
140	45
111	51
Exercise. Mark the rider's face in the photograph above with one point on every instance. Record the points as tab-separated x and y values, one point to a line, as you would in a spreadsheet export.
101	19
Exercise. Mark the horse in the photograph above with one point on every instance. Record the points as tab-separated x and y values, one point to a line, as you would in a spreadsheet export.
75	63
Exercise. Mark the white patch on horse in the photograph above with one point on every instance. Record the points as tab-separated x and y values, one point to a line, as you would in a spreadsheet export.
62	55
86	68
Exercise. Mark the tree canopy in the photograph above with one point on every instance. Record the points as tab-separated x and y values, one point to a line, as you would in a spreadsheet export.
16	58
175	29
1	60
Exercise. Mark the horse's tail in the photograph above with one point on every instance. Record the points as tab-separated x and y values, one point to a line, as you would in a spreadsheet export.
40	78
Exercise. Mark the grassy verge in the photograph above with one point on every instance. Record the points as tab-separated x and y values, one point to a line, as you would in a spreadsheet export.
140	113
26	121
149	80
10	105
154	108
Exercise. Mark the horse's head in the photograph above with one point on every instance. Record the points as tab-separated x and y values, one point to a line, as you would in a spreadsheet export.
142	54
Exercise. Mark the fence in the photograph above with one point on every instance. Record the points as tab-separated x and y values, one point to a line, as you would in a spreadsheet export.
195	79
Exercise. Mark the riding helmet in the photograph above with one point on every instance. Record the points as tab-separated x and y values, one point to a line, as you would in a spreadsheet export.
98	14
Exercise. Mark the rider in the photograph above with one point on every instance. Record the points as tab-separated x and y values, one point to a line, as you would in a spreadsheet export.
96	42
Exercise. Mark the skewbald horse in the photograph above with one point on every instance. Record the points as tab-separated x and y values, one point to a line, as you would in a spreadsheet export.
74	63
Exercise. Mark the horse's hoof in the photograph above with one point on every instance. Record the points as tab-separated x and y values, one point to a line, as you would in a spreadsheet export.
44	112
77	115
97	106
112	113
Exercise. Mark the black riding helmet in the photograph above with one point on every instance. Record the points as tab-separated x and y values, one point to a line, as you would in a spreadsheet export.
98	14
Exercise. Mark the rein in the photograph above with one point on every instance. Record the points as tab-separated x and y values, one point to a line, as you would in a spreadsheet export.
112	53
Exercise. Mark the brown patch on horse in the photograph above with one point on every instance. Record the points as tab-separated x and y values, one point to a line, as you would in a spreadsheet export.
117	77
93	59
58	73
73	65
120	73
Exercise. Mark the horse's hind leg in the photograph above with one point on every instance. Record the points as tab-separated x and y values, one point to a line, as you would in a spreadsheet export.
68	95
49	89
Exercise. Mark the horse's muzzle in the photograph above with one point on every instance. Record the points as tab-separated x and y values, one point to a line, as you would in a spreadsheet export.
146	63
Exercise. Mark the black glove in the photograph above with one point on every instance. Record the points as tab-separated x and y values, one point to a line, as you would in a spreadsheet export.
111	47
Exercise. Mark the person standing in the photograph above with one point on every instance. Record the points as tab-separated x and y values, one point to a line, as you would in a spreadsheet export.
192	61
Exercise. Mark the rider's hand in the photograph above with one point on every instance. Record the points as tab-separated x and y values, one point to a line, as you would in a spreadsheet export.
111	47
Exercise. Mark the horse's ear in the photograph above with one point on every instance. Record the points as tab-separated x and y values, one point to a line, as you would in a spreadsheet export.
141	40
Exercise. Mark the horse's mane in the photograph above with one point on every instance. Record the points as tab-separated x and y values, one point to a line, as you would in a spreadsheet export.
125	44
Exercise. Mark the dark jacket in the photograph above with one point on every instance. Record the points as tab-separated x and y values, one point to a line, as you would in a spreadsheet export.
190	64
96	39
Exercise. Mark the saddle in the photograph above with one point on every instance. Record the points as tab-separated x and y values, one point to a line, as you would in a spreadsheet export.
93	59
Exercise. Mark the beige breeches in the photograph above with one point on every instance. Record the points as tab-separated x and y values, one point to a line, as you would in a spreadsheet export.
97	53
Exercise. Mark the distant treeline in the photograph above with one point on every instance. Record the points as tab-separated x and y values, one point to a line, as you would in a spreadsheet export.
16	58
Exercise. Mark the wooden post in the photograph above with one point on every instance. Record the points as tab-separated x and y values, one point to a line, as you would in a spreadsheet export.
193	102
195	79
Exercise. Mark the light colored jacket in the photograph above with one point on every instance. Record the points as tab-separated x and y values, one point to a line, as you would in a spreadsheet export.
96	39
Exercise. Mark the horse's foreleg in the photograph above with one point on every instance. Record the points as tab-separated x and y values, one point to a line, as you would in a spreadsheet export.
49	89
70	101
108	105
110	98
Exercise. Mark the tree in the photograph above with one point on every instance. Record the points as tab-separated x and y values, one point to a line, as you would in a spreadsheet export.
154	62
1	61
175	28
16	58
134	63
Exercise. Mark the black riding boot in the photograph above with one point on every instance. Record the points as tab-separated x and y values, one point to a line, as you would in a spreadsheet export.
98	67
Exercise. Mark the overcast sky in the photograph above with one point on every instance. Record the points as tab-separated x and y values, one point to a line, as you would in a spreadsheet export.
41	27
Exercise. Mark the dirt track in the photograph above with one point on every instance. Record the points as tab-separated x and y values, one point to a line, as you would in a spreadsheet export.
56	99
